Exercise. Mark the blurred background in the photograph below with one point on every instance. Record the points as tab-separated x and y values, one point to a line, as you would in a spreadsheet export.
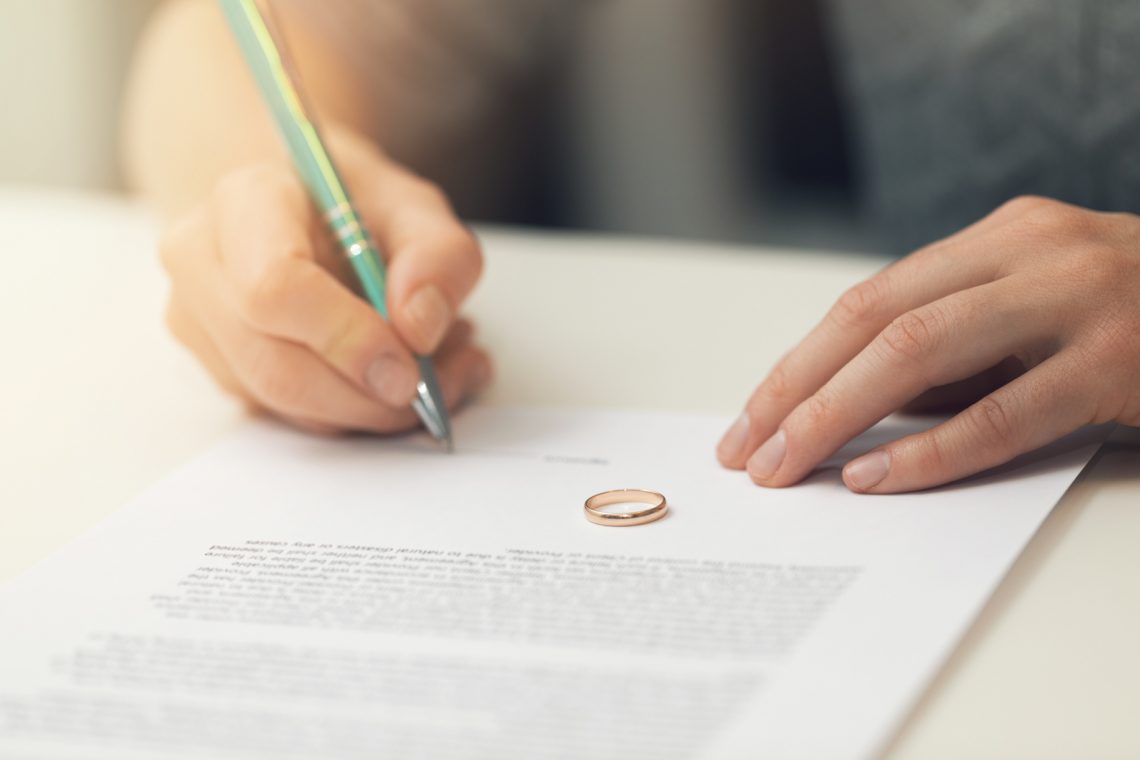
62	64
657	90
873	125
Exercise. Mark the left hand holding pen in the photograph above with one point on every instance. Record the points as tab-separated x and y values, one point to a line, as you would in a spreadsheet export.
1030	319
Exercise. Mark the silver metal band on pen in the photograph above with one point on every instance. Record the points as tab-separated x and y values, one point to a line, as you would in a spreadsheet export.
350	232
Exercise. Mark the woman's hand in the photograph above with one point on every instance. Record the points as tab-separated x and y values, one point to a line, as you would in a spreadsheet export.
1031	316
264	298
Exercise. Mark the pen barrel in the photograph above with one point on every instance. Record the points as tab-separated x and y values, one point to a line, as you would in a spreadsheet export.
370	272
318	172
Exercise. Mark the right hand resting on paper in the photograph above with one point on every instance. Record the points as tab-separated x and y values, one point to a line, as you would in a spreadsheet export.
265	299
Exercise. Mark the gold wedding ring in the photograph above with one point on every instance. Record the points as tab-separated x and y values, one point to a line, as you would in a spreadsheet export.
654	511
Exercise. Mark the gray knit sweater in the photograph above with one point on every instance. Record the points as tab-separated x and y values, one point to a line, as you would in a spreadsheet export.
958	105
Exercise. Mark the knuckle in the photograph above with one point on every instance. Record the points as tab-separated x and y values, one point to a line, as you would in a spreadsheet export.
860	305
991	419
910	336
1024	204
1053	218
339	341
1079	223
817	408
930	454
777	387
431	192
268	295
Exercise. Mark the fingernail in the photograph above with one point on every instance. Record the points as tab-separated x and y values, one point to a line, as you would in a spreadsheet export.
733	441
768	457
430	313
393	381
867	471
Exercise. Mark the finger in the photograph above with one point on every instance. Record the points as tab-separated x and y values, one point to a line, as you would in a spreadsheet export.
956	396
463	368
1042	405
461	334
274	282
855	319
944	341
433	259
314	427
190	334
187	255
463	374
293	382
284	377
243	352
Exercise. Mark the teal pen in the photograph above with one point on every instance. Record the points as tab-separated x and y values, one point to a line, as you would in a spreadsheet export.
313	163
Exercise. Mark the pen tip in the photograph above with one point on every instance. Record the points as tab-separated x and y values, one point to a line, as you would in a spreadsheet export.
449	445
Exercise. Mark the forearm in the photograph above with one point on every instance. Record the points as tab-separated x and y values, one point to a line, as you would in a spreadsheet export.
193	113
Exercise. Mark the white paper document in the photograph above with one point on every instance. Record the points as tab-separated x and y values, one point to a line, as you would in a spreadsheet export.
288	596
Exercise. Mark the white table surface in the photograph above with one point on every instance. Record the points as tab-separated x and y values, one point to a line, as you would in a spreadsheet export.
99	402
